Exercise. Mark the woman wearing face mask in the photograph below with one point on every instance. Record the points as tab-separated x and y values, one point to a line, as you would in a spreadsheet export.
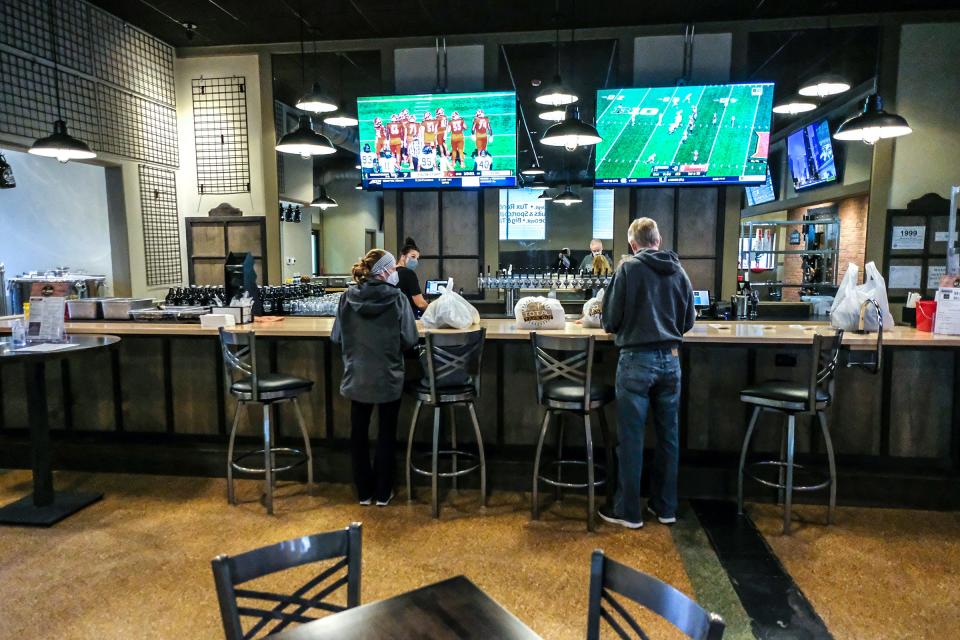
374	326
409	284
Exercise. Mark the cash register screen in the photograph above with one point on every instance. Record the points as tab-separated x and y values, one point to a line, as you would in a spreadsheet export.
701	298
435	287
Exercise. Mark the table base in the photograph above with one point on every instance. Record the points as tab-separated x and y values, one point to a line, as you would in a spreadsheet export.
65	503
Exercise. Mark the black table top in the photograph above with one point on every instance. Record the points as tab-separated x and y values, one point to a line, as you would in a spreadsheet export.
77	343
453	609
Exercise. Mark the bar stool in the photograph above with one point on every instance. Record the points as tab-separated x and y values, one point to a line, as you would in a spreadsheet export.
250	387
452	363
565	385
793	399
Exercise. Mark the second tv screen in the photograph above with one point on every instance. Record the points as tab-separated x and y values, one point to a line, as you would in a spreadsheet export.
688	134
446	140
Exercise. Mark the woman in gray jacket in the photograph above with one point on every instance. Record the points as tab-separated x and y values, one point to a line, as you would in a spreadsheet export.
374	326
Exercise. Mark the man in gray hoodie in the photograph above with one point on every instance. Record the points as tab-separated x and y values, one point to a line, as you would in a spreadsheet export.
649	306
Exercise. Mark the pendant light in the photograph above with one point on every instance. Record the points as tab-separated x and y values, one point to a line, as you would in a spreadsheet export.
342	118
554	115
359	186
794	107
823	85
305	142
872	124
571	133
568	197
324	201
533	170
556	94
315	100
545	195
60	145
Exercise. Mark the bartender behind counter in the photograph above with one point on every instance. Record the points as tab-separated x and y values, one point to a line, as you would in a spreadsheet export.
408	282
589	262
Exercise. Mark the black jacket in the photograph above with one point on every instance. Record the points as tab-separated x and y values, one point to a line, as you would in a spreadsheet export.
649	302
374	326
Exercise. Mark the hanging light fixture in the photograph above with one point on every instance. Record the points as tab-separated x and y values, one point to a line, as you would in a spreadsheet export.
554	115
571	133
556	94
568	197
359	186
60	145
873	124
305	142
533	170
793	107
823	85
545	195
343	118
315	100
324	201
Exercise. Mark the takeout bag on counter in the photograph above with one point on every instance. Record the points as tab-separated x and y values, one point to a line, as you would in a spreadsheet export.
592	311
536	312
450	311
845	312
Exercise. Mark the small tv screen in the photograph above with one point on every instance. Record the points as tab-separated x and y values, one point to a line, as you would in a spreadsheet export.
444	140
761	194
688	135
810	153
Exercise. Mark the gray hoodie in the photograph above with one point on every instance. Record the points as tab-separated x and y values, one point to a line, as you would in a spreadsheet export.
374	326
649	302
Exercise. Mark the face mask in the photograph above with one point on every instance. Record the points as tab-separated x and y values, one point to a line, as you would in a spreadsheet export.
596	253
393	279
412	263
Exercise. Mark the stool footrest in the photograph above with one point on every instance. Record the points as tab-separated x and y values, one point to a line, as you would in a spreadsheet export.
575	485
300	455
446	452
776	485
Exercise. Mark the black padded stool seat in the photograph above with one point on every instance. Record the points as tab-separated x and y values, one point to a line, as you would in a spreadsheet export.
600	393
273	385
445	394
784	394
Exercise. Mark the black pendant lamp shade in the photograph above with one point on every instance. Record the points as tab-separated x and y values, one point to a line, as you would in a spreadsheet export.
823	85
324	201
873	124
556	94
571	133
545	195
316	101
305	142
61	145
341	120
568	197
7	180
553	115
793	107
533	170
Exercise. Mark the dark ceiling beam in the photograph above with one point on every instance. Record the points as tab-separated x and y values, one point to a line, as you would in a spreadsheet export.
363	16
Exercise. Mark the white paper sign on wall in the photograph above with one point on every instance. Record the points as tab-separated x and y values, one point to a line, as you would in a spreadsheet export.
908	238
904	277
934	273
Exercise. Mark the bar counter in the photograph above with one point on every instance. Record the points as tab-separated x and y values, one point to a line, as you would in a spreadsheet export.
158	403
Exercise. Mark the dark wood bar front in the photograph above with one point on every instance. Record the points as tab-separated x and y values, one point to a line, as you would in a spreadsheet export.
157	403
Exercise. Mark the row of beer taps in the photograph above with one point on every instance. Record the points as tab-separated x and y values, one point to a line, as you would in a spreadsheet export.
531	278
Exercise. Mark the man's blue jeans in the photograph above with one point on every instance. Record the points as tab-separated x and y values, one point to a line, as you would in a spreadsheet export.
647	380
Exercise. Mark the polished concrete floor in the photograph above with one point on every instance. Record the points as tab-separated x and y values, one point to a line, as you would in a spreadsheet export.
136	565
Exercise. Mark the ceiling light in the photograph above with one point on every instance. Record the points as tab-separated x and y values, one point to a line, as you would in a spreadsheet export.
305	142
359	186
556	94
872	124
316	101
567	198
793	107
533	170
554	115
545	196
823	85
61	145
341	120
571	133
324	201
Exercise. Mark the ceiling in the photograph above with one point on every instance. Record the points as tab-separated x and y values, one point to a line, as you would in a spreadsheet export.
224	22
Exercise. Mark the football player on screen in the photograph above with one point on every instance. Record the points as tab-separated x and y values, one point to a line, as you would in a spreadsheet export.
413	142
368	159
483	162
379	136
442	124
458	127
395	131
482	131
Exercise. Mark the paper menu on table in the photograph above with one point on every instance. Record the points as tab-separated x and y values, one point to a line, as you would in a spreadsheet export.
947	320
46	319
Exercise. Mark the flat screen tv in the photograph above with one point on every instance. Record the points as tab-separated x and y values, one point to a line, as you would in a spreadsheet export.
810	154
444	140
762	193
684	135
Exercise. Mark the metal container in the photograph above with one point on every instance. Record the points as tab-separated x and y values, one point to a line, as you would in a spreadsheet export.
170	313
85	308
60	282
740	306
120	308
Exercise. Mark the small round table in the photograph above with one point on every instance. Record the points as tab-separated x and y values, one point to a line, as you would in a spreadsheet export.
45	507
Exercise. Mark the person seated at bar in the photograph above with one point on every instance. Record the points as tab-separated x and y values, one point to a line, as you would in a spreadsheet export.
374	326
408	282
596	250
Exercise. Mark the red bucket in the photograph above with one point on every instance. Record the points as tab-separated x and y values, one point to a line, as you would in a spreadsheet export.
926	310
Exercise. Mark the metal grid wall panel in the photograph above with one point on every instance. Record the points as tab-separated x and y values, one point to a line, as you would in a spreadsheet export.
161	225
137	128
220	135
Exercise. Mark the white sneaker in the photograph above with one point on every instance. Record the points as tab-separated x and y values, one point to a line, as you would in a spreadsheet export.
662	519
609	516
383	503
367	502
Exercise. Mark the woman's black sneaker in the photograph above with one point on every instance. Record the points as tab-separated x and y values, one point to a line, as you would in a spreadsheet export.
609	516
662	519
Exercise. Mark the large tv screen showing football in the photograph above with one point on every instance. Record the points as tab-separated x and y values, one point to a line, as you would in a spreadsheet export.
810	153
442	140
687	134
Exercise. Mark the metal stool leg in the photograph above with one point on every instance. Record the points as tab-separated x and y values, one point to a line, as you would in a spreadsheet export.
413	429
231	496
483	460
452	412
434	477
535	506
268	458
306	445
822	417
611	471
788	492
743	458
782	472
558	490
591	490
